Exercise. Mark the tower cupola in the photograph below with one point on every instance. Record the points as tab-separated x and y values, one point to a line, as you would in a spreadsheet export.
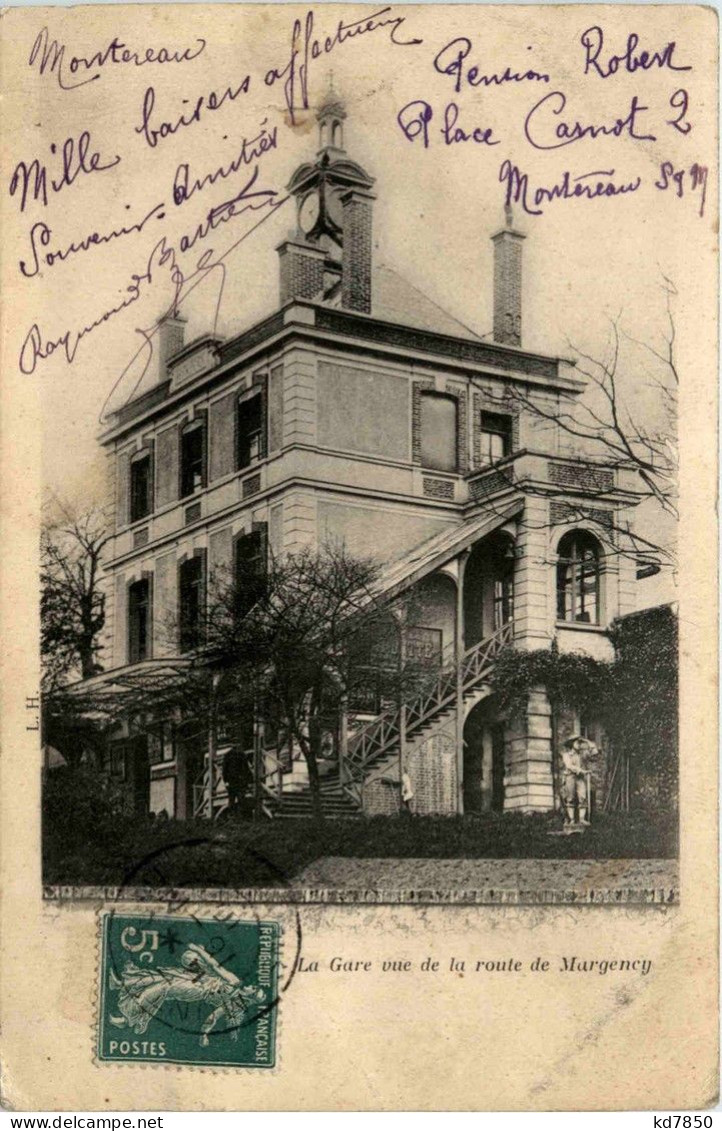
330	117
329	254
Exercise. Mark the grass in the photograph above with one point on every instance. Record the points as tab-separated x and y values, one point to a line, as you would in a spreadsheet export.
270	853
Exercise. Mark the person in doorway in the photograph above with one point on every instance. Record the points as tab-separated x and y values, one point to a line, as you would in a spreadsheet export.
576	755
237	775
407	796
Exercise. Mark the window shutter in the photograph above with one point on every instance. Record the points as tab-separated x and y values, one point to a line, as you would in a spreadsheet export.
263	445
261	528
220	563
222	437
202	415
275	409
150	448
120	622
167	466
122	493
164	605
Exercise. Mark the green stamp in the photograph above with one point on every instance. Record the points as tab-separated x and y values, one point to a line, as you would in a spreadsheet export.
188	991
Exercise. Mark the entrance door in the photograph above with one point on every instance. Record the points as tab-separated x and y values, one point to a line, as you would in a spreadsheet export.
483	760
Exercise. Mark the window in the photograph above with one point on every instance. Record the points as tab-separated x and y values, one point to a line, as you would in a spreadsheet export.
504	599
250	431
193	471
578	573
140	487
139	621
161	743
495	437
502	561
118	759
438	431
191	602
250	570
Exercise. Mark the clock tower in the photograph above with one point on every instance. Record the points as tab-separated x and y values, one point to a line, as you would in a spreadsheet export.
330	251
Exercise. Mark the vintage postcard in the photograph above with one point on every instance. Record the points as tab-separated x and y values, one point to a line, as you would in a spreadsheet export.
359	577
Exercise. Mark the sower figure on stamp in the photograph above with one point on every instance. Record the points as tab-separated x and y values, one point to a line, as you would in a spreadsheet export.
237	775
576	755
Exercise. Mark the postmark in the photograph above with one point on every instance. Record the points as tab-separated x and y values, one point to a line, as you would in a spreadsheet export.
188	990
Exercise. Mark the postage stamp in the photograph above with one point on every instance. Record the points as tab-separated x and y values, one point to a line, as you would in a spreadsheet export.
188	990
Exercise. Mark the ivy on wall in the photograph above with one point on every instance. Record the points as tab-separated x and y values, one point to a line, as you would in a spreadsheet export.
634	697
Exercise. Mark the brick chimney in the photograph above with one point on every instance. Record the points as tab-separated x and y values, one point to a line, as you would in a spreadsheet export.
171	334
507	282
301	269
357	249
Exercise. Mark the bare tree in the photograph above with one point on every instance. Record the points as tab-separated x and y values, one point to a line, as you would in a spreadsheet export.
72	606
626	418
295	643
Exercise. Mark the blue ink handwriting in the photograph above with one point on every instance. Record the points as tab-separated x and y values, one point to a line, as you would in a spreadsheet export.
50	56
592	41
568	133
306	49
250	151
568	188
36	348
41	234
414	121
207	102
696	179
73	163
680	101
450	61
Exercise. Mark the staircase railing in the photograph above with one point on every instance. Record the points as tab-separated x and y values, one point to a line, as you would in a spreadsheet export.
271	788
379	737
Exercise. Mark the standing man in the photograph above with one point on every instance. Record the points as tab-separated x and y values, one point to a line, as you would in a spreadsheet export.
576	755
237	775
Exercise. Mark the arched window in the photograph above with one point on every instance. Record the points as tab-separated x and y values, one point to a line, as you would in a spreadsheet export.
438	431
578	573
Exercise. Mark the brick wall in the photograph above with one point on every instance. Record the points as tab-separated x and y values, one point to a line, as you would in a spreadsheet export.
431	765
507	288
357	251
585	476
301	271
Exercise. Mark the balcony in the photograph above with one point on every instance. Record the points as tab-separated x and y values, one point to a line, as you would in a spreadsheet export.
554	476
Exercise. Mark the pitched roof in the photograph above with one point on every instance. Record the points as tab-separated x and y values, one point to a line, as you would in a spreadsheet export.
394	299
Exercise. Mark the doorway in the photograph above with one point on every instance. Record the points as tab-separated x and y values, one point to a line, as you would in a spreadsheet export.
484	761
488	588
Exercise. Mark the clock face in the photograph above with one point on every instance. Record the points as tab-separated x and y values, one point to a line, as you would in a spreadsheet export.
308	212
334	207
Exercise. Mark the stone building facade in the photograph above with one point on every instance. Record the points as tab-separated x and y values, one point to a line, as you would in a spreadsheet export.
360	412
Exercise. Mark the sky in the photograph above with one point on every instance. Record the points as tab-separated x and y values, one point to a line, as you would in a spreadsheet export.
585	261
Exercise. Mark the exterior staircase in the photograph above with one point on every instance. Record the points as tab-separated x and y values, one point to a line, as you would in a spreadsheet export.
375	745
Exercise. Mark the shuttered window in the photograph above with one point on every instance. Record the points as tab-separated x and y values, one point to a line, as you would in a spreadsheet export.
495	437
139	621
193	470
250	431
250	568
191	595
141	487
439	431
